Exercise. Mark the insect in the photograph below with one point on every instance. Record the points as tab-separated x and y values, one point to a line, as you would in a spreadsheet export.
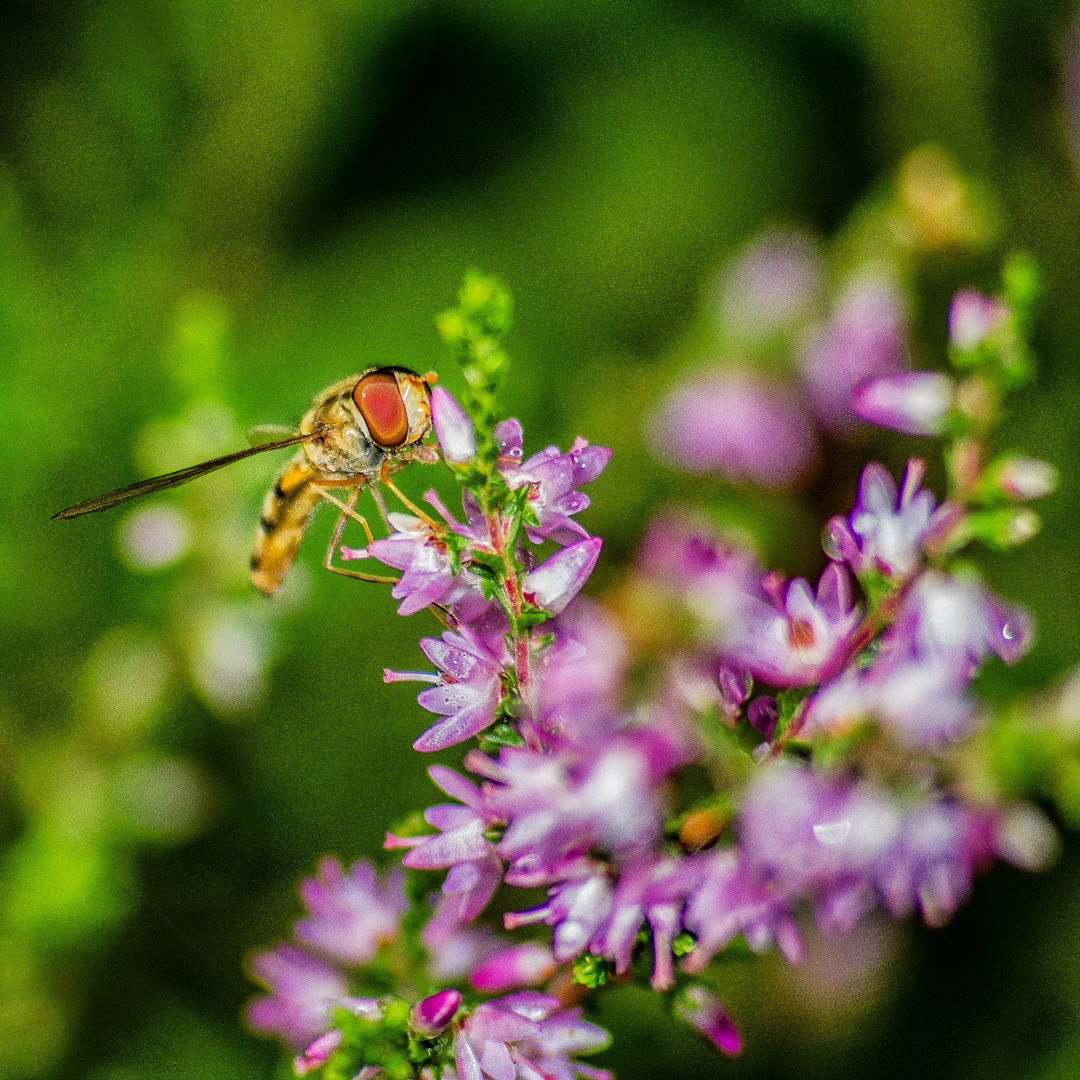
356	433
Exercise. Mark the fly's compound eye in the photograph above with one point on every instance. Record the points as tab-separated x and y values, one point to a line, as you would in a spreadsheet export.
379	400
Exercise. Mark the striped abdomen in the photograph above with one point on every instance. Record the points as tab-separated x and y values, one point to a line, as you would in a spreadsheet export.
286	511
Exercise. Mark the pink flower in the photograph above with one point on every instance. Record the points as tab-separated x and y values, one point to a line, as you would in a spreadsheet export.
303	993
460	844
527	964
864	337
467	691
352	914
705	1011
796	642
739	425
890	526
769	286
526	1036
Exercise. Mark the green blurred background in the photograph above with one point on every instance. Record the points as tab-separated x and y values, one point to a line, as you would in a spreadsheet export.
208	212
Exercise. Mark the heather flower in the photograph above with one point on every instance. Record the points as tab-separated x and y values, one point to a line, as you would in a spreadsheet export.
304	991
352	914
742	426
653	891
887	528
863	338
1022	478
559	806
710	576
432	1016
920	702
913	402
581	674
460	844
552	477
916	685
958	621
318	1053
467	692
453	428
526	1035
797	641
763	715
701	685
730	899
559	578
575	910
431	573
455	948
770	285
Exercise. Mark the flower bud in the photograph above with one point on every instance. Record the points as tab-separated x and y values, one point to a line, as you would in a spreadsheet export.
318	1053
972	317
914	402
1024	478
558	579
763	715
453	428
432	1016
704	1010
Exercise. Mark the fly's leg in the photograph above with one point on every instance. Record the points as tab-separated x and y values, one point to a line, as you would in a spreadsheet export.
380	503
347	512
434	526
346	509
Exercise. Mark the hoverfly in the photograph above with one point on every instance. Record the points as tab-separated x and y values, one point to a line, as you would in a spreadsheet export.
356	433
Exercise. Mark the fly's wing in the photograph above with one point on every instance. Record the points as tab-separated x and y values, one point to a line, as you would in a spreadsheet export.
181	476
262	435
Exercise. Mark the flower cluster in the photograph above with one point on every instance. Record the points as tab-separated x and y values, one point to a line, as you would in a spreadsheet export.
797	359
831	720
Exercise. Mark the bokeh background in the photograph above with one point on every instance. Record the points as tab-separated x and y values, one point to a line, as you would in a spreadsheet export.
208	212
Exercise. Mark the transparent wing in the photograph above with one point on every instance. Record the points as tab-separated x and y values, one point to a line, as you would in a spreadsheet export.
181	476
263	434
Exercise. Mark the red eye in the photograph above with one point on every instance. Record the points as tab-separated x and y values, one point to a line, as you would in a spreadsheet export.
379	401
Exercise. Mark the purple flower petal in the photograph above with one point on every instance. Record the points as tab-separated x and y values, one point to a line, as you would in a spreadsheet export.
559	578
453	428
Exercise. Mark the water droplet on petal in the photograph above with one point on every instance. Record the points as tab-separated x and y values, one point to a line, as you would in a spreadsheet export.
832	832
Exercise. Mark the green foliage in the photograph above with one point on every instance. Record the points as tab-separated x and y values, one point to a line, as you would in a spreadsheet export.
474	331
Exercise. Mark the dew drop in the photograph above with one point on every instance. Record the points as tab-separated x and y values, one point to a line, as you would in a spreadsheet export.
832	832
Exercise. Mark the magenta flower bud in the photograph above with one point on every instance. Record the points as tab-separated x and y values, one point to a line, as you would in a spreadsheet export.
972	317
914	402
318	1053
453	428
520	965
763	715
703	1010
1024	478
432	1016
559	578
